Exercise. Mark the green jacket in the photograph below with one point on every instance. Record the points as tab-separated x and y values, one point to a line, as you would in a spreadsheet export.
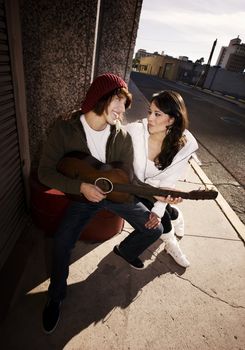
68	136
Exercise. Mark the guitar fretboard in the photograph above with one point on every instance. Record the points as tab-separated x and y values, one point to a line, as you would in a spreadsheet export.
151	191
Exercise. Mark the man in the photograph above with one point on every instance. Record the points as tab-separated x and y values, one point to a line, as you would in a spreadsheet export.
94	132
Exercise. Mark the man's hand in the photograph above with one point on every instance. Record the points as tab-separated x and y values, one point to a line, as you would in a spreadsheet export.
169	199
153	221
91	192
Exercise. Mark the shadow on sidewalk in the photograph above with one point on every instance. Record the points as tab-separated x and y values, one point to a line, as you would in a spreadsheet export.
112	285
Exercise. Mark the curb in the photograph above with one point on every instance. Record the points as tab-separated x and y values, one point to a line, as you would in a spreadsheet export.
229	98
229	213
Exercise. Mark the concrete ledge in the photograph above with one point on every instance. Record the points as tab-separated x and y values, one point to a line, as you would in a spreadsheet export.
220	200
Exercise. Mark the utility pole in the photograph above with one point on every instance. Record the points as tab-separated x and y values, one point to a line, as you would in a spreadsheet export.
205	73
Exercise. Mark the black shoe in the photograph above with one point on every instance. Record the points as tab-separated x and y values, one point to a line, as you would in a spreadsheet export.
136	263
51	315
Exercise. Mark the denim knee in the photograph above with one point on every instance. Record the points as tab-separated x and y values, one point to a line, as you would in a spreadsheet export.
155	231
159	230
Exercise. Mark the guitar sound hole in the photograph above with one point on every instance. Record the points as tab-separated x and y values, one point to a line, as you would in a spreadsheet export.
104	184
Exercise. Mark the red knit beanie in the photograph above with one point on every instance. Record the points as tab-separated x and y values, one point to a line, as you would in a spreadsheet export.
100	87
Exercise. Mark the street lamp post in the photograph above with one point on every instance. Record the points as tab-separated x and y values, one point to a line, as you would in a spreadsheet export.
204	76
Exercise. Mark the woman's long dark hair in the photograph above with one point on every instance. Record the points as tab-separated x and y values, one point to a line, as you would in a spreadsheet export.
171	103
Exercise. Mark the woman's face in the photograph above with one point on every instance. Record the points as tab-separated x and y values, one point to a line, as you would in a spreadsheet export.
158	121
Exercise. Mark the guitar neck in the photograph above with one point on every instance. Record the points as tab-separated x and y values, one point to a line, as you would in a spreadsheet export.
149	191
108	177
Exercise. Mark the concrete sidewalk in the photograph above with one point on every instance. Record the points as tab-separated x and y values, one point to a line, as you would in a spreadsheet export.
112	306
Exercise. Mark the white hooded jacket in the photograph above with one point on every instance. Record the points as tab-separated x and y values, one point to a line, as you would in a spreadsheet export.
159	178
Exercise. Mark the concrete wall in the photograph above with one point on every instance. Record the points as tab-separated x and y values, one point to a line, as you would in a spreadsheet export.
189	72
58	39
226	82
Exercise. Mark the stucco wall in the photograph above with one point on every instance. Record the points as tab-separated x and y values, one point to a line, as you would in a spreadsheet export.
162	66
153	64
119	21
58	43
58	40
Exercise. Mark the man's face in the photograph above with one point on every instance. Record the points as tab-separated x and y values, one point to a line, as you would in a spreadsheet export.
115	109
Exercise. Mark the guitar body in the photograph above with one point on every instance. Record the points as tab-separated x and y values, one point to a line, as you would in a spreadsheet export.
79	165
115	181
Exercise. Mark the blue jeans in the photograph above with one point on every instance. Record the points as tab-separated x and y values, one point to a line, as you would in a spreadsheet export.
77	216
170	214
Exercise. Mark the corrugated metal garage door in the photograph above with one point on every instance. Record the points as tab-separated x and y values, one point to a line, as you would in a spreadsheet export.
12	198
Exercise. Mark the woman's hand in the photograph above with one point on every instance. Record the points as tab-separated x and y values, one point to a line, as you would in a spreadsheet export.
169	199
92	193
153	221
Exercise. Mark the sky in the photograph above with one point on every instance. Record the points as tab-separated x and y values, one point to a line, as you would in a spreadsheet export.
189	27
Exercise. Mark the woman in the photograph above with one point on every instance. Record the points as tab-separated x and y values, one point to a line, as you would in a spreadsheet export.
162	148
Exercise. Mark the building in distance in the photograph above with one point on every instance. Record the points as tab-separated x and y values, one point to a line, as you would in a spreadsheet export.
232	57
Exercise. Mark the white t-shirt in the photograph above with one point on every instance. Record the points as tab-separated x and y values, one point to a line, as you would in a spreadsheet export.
96	140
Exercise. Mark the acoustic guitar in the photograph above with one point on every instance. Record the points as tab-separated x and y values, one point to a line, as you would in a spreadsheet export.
115	181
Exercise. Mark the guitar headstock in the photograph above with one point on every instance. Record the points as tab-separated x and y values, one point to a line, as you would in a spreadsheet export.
203	194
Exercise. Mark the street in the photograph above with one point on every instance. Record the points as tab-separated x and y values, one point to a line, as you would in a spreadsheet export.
219	127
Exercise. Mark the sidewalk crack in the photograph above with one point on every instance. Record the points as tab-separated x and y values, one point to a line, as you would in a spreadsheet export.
208	294
235	306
